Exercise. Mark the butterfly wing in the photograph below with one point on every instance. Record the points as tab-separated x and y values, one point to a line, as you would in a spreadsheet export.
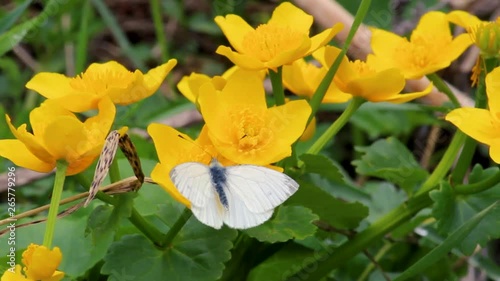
239	216
252	194
260	188
193	181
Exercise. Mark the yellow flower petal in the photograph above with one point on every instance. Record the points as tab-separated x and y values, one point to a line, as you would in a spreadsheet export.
249	87
493	91
16	151
189	85
377	87
143	86
33	144
50	85
475	122
297	78
289	120
324	37
495	150
40	262
402	98
309	131
17	275
235	29
463	19
286	14
243	61
98	126
65	138
43	115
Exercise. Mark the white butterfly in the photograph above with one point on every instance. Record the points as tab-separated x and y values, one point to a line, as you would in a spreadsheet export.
240	196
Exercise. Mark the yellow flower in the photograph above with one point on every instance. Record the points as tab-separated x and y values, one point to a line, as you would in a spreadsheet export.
362	79
284	39
40	263
481	124
431	47
303	78
485	34
189	85
110	79
241	126
58	135
173	150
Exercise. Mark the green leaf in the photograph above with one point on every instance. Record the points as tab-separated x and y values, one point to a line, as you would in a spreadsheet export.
389	159
449	243
384	198
281	264
322	165
105	219
8	20
12	37
338	213
289	222
385	119
452	211
198	252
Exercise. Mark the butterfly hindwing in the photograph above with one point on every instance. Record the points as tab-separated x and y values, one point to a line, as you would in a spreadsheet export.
239	216
193	182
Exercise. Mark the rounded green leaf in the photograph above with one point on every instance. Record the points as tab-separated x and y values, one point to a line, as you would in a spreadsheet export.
290	222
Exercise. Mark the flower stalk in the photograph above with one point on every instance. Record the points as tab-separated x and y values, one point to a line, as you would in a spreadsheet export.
277	82
61	167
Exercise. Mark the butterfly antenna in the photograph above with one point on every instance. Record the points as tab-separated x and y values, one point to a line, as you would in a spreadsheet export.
199	146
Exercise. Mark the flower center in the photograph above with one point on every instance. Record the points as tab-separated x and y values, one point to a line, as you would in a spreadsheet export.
250	130
362	68
98	82
423	50
266	41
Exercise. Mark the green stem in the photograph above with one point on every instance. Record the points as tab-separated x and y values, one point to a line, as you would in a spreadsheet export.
318	96
376	258
443	87
333	258
477	187
355	103
277	82
181	221
160	32
145	227
445	164
135	218
61	167
83	38
114	171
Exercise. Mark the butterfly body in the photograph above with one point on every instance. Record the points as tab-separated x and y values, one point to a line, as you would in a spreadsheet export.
240	196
